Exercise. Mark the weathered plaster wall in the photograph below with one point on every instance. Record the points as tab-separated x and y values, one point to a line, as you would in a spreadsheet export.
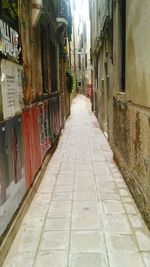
117	56
128	113
137	52
131	123
103	8
104	94
131	132
37	70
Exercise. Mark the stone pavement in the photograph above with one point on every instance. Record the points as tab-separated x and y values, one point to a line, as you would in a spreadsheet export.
83	214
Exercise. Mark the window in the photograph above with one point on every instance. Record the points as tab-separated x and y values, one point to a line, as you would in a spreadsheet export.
44	60
85	61
53	66
79	58
84	32
48	59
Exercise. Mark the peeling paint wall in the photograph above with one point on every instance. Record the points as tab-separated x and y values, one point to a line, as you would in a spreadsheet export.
131	123
131	132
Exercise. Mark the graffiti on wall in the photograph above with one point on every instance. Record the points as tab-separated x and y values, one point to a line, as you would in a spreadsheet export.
24	142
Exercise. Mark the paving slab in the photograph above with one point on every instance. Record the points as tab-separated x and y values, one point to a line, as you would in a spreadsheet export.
88	260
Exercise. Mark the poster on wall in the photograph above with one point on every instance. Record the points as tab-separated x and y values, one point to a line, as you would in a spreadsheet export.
9	45
12	177
11	89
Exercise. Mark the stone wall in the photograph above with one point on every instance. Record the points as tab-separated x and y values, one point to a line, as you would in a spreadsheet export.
131	146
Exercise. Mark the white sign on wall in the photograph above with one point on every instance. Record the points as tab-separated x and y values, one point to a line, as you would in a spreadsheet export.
11	88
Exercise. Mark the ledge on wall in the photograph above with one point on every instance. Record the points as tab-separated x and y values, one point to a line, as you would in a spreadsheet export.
62	22
37	6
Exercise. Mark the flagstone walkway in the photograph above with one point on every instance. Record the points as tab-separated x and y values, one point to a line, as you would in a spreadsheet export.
83	214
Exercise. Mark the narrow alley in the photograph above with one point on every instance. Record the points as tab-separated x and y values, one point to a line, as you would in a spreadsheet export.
83	214
74	133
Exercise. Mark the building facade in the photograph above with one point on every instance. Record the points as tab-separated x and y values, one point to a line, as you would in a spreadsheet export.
80	46
121	88
83	50
34	99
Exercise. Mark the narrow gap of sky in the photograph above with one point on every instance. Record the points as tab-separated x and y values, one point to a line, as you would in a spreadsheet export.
81	10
